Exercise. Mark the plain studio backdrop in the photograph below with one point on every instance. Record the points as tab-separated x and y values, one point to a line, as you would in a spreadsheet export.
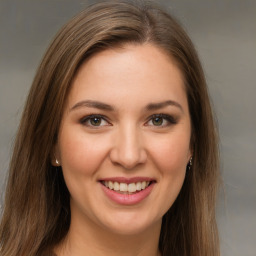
224	33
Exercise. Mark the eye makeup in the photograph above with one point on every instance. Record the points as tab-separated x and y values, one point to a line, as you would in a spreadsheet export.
155	120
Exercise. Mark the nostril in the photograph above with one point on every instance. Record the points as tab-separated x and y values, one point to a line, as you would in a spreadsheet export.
127	156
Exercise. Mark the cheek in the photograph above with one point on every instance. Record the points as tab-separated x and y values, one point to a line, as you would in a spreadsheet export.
170	155
81	154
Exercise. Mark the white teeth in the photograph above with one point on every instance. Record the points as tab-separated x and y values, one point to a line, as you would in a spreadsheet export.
138	186
110	185
116	186
124	187
143	184
131	187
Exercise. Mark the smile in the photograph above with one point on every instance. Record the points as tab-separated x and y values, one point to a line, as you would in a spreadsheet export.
127	191
126	188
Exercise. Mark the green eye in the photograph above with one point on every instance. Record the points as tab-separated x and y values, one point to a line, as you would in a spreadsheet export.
161	120
157	121
95	121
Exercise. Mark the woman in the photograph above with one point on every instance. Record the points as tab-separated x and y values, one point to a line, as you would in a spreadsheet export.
116	152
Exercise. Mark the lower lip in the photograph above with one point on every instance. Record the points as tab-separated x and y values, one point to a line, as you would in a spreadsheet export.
127	199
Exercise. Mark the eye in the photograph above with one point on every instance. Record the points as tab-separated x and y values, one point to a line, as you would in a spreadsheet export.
161	120
94	121
157	121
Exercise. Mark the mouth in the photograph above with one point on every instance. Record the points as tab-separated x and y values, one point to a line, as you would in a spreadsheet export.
126	187
127	191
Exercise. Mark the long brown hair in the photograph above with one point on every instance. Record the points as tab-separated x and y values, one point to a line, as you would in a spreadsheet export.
36	214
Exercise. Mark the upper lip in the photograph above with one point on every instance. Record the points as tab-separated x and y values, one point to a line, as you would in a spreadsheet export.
128	180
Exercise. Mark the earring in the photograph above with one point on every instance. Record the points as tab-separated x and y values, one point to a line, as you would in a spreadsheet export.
57	162
190	163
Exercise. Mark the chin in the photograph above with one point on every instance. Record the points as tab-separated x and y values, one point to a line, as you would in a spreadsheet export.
131	224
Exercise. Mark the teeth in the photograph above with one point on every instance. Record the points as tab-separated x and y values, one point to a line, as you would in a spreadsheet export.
124	187
131	187
110	185
143	184
116	186
138	186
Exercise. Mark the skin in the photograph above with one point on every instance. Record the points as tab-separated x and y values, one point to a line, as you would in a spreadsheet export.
128	142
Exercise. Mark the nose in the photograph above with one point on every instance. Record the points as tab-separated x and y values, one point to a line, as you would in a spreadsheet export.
128	149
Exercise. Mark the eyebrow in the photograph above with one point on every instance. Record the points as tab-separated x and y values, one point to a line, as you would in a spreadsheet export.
104	106
92	104
159	105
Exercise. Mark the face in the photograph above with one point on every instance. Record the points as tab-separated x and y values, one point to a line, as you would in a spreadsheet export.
124	140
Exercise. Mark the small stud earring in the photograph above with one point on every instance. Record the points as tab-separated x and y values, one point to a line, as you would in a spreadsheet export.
190	163
57	162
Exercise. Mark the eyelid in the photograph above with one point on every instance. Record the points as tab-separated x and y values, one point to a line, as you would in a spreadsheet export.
86	118
169	118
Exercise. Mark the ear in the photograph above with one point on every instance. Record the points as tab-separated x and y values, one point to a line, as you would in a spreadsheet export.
191	148
55	156
190	155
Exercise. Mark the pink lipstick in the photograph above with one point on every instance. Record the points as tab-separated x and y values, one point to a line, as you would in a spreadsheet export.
127	191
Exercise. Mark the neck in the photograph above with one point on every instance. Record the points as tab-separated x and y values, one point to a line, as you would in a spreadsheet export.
91	240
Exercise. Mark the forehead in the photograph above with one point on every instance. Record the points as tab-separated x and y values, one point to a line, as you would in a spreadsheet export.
134	72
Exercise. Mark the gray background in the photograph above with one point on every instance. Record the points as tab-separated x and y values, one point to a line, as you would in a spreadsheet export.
224	33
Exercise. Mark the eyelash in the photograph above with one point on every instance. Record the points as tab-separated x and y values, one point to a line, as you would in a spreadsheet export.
170	119
84	120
